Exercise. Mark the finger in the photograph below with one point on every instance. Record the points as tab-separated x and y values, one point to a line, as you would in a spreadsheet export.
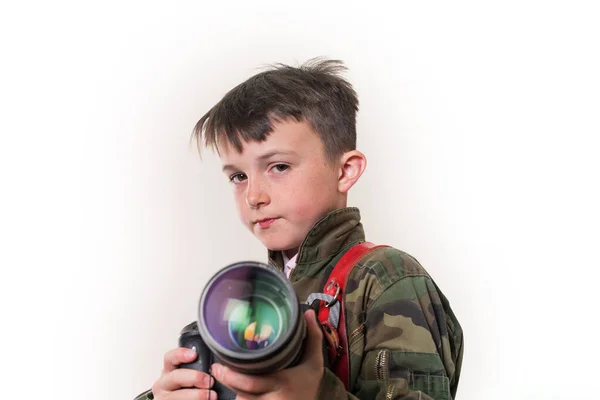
192	394
177	356
242	383
183	378
314	340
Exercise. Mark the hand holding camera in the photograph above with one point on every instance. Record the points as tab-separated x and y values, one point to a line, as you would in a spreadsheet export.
299	382
250	323
179	383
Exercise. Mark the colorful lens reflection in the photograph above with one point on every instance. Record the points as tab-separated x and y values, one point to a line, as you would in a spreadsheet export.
247	309
253	323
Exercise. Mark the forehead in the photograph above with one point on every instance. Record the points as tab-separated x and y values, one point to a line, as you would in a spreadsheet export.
288	136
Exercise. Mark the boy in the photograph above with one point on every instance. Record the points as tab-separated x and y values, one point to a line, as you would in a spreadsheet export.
287	140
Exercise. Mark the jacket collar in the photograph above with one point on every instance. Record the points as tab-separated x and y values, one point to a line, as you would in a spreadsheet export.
335	232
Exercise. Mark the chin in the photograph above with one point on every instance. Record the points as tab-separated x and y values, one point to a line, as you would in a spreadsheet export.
277	245
274	246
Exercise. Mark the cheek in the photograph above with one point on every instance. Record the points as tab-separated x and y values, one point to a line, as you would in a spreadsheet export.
310	202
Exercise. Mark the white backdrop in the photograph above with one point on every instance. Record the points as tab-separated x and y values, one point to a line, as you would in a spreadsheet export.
479	121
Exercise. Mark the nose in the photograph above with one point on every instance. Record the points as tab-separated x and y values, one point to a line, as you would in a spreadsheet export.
256	194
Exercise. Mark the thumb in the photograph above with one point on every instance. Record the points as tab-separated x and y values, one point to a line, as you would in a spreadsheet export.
314	340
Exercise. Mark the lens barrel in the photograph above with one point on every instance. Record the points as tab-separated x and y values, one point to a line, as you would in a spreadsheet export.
249	317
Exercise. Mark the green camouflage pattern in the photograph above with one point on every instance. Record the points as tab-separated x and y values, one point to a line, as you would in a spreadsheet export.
404	340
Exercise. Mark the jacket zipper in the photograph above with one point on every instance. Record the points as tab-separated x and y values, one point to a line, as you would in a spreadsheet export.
390	392
356	332
381	365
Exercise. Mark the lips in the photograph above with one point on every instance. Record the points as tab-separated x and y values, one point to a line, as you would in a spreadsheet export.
265	222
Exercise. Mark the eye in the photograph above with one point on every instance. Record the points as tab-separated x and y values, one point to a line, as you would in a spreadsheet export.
238	178
280	168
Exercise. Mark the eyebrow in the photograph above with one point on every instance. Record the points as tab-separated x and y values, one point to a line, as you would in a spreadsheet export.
266	156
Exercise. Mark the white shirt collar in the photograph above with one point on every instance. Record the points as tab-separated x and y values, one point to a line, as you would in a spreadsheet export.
288	263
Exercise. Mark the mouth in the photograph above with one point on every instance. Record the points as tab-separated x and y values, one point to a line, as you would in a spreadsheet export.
265	222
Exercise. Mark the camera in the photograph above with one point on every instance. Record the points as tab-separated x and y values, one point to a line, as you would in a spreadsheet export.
190	338
250	320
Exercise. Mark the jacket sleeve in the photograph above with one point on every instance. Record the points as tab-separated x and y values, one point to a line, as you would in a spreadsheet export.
401	350
147	395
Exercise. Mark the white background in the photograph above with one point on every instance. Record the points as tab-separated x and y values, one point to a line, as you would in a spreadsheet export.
479	121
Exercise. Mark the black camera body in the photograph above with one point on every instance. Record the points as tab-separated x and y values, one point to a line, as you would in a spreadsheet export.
250	320
190	338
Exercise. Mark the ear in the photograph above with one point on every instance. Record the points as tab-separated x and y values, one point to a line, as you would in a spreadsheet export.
352	165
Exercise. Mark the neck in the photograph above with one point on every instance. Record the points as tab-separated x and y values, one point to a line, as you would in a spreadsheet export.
291	253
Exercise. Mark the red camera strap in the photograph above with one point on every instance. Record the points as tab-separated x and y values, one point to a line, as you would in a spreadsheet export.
335	286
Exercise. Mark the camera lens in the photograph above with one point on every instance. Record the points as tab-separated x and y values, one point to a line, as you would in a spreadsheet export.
249	317
254	322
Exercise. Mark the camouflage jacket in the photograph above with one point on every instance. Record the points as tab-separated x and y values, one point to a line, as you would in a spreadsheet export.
405	342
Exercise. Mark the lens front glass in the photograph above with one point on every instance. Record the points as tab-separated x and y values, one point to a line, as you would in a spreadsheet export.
254	322
247	309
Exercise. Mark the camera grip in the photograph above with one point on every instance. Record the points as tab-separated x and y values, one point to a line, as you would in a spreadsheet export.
191	339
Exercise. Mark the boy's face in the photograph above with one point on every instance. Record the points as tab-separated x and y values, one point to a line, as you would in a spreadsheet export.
284	185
